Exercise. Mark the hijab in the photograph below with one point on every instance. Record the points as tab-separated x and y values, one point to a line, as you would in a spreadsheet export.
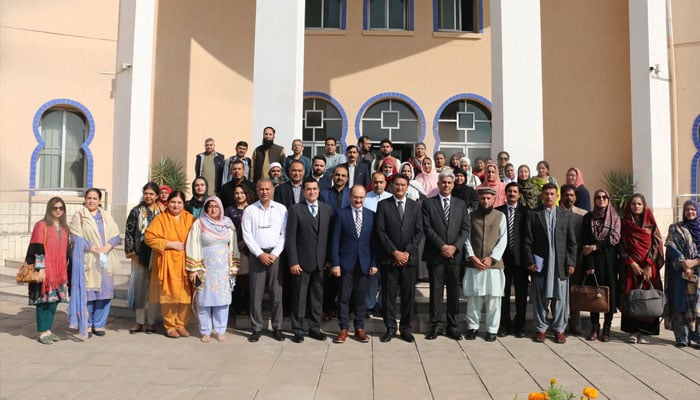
693	226
579	177
218	228
495	184
429	180
605	223
167	189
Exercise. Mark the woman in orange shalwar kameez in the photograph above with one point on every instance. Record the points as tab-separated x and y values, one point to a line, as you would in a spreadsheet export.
170	286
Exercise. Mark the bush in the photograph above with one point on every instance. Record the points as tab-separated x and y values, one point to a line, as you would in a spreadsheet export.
166	171
621	186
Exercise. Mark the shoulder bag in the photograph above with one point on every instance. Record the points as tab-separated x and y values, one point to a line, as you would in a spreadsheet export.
28	274
590	298
645	304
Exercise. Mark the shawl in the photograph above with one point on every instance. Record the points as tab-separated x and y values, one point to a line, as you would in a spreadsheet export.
86	234
605	223
55	250
460	191
194	203
579	177
682	294
529	193
693	226
220	228
136	224
429	181
166	188
217	228
642	241
496	185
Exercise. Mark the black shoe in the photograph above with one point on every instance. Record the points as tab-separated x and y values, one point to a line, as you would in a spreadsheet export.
471	334
255	336
277	335
434	333
317	335
490	337
99	332
408	336
454	334
387	336
503	332
298	338
519	333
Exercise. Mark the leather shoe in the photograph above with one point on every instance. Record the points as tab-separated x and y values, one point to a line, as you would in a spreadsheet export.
136	329
503	332
454	334
298	338
342	336
387	336
408	336
519	334
277	335
329	316
255	336
539	337
560	338
360	335
490	337
317	335
433	334
100	332
471	334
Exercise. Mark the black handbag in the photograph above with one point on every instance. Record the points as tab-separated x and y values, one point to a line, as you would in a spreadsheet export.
645	304
590	298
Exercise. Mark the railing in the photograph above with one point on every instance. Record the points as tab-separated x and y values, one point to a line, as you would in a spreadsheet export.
678	208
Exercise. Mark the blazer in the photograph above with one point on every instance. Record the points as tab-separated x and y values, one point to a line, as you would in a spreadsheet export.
347	250
519	221
536	240
219	161
306	238
395	234
362	174
438	232
328	196
285	194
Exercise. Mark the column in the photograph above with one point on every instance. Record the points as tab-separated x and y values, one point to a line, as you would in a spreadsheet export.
650	104
278	72
132	104
516	67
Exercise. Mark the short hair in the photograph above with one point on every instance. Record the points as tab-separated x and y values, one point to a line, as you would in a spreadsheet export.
358	186
208	140
352	146
151	185
566	187
330	138
309	180
512	184
98	191
401	176
295	162
242	143
446	174
363	138
386	141
343	167
319	157
237	161
264	180
297	140
378	173
549	185
177	193
269	127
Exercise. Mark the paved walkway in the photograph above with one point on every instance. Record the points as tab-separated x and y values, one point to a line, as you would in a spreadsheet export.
123	366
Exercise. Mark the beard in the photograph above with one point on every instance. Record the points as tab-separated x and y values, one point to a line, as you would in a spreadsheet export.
276	180
267	143
487	210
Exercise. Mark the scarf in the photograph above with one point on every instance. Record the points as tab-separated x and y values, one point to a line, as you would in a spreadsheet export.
579	177
497	185
218	228
693	226
641	238
85	231
167	189
413	184
429	181
605	223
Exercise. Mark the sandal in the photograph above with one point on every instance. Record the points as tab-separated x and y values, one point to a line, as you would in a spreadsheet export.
205	339
136	329
54	338
220	337
172	333
150	329
45	339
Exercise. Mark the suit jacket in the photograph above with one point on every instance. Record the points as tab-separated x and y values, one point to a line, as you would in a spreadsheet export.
328	196
439	232
307	238
519	221
284	194
225	193
219	161
536	240
347	250
395	234
362	174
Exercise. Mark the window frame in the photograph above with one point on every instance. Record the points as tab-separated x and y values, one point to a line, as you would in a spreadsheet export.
478	22
465	146
343	18
316	146
408	18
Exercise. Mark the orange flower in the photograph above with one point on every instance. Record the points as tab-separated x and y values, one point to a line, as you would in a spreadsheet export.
590	392
553	381
538	396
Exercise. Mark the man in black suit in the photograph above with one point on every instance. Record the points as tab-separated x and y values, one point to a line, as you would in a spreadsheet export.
307	243
358	172
549	251
318	173
238	178
447	226
399	229
290	193
516	274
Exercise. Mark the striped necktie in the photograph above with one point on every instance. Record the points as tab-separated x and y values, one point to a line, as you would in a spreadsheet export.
446	208
511	223
401	209
358	222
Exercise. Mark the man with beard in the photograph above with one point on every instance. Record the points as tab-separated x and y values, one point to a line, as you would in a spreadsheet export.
275	173
358	172
237	177
318	173
265	154
364	145
241	149
385	149
568	198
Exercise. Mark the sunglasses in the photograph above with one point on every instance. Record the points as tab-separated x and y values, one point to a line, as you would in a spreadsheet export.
58	208
601	197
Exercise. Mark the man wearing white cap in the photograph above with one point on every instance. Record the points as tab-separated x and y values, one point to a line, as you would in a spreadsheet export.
275	173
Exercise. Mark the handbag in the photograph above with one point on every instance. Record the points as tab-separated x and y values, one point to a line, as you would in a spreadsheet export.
645	304
590	298
28	274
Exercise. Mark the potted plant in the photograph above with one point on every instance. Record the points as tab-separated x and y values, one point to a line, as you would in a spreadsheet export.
166	171
621	186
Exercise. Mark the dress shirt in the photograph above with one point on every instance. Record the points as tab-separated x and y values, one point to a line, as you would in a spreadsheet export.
297	192
373	198
311	208
351	174
264	228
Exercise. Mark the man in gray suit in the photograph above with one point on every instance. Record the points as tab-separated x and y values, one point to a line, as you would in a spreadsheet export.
307	244
446	226
549	251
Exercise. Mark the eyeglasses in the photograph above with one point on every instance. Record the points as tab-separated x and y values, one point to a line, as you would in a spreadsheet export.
601	197
210	206
58	208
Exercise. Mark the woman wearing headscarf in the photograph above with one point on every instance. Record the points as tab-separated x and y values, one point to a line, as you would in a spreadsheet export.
471	180
529	193
642	256
95	235
464	192
428	179
212	264
195	205
136	223
600	236
163	195
415	190
241	296
494	182
574	176
455	160
683	258
388	168
48	249
170	285
480	168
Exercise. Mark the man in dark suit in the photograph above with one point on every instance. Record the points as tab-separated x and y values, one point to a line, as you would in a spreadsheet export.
307	243
399	229
238	178
290	193
318	173
516	274
353	257
358	172
549	251
210	165
446	226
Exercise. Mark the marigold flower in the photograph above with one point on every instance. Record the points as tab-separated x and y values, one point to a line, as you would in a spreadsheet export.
590	392
553	381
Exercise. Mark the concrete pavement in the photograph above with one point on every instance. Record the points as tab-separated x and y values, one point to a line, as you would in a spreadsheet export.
124	366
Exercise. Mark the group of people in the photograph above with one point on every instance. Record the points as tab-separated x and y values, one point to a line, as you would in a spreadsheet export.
346	234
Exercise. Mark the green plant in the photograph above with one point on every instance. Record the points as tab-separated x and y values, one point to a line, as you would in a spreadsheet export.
621	186
166	171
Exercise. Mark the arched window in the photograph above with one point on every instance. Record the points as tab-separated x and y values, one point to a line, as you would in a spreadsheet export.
321	119
396	120
62	161
464	125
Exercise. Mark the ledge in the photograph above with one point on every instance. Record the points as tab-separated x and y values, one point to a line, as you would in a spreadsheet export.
459	35
387	32
325	32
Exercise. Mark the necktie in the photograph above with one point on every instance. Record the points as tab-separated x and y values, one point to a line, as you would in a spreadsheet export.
313	210
401	209
446	208
358	222
511	221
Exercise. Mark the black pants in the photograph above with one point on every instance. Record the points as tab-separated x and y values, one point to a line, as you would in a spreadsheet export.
393	280
516	275
353	285
307	288
444	275
330	292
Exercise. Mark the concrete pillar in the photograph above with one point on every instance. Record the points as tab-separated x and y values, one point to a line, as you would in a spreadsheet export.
651	123
133	96
516	66
278	72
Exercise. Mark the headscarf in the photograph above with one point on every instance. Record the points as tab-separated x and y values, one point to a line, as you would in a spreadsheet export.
693	226
218	228
456	156
460	191
415	189
166	188
468	170
605	223
495	184
579	177
194	202
638	240
389	178
529	193
429	180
